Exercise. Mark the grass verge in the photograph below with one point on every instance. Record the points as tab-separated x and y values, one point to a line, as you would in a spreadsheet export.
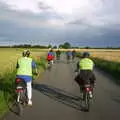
110	67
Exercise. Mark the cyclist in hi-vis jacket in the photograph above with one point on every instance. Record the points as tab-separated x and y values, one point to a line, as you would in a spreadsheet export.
25	65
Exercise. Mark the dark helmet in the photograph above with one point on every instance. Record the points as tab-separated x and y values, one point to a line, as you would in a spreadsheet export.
51	50
85	54
26	53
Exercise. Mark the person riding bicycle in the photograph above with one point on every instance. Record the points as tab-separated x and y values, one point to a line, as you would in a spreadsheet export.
73	54
86	75
58	53
69	55
50	56
25	66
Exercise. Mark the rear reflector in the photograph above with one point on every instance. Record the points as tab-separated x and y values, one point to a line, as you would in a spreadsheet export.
88	89
19	90
18	80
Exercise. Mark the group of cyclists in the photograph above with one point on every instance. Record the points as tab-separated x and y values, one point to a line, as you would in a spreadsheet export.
56	54
26	64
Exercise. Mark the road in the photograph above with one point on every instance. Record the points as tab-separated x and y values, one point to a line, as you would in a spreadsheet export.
56	97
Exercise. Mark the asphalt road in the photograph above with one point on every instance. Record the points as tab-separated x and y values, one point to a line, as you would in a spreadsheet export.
56	97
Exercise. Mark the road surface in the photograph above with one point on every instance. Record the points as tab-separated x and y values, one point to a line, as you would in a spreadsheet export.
56	97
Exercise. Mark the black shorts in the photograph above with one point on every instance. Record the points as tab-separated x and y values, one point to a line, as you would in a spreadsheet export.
85	77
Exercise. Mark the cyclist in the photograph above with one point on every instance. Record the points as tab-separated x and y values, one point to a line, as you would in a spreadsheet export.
58	53
86	75
73	54
50	56
69	55
24	66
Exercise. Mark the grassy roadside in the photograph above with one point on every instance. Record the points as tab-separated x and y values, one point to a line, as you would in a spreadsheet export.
110	67
7	86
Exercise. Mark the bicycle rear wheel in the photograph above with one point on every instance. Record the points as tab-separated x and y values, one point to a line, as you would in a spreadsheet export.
20	109
20	104
87	102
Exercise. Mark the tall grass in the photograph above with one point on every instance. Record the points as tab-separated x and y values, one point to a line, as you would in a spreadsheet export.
6	90
109	66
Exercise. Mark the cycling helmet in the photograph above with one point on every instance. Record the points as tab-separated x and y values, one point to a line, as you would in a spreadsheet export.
26	53
51	50
86	54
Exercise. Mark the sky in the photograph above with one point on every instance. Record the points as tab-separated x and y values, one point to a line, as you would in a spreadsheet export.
80	22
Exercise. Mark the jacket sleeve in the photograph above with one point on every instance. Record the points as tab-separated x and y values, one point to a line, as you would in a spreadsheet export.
33	64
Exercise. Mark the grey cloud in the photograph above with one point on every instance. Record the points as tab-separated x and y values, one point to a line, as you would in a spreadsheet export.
44	6
14	28
107	14
48	10
26	18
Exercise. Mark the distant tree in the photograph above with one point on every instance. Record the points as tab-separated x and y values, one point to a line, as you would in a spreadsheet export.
66	45
49	46
87	47
61	46
55	47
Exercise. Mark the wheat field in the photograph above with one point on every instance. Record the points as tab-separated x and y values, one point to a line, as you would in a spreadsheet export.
9	57
106	54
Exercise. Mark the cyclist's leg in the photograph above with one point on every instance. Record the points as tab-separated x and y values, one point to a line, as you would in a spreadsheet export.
52	61
29	92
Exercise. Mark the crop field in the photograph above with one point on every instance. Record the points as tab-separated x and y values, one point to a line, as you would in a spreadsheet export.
9	57
105	54
111	56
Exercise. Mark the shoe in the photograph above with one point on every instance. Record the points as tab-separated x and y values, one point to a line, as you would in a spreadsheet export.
29	102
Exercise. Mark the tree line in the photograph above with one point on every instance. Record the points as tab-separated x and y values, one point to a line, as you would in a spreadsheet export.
65	45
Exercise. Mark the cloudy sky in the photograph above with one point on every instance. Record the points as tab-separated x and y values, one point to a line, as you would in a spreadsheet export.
80	22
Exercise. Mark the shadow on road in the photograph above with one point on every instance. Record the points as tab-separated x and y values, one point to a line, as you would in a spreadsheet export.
60	95
117	99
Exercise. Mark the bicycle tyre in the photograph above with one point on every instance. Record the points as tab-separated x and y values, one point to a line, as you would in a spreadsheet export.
87	102
20	109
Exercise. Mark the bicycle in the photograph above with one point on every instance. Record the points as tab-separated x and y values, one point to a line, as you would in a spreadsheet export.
22	99
87	96
73	57
58	58
68	59
50	63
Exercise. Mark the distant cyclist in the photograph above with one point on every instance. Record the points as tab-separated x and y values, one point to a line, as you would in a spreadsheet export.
24	66
73	54
58	53
86	75
50	56
68	55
